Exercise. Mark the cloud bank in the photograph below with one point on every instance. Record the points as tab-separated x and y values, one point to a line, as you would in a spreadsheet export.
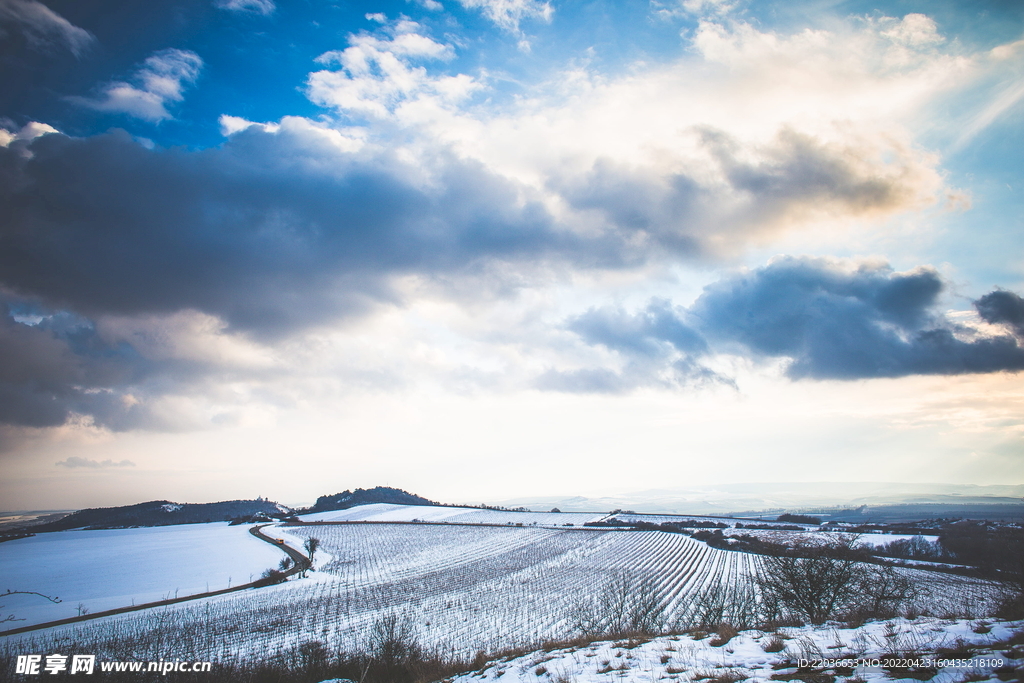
112	253
827	319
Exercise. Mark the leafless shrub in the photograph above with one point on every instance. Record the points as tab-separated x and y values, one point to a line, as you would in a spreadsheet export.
883	592
818	585
833	581
626	604
719	603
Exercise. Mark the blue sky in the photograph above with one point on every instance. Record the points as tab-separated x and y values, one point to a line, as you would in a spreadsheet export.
491	248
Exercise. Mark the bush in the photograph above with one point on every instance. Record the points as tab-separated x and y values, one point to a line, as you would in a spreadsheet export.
817	588
394	648
269	577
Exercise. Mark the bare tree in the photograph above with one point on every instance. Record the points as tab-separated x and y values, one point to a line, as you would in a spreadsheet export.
817	586
10	617
311	545
393	647
883	592
626	604
721	603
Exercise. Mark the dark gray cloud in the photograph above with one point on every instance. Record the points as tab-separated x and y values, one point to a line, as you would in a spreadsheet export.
47	372
54	365
272	232
830	320
847	324
41	27
1003	307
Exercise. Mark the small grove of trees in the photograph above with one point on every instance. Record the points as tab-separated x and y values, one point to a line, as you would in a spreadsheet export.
393	648
270	577
913	548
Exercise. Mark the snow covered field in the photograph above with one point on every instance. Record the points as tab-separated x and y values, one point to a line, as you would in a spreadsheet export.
685	658
472	587
383	512
111	568
821	538
466	588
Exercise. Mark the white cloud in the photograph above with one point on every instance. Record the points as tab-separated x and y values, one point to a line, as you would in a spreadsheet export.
160	81
827	93
30	131
43	26
229	125
377	76
507	14
916	30
257	6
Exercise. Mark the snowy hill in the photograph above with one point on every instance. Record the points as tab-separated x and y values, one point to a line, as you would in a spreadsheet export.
164	513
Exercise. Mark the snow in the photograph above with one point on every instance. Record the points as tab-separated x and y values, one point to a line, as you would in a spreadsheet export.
110	568
821	537
385	512
689	658
632	517
881	539
466	587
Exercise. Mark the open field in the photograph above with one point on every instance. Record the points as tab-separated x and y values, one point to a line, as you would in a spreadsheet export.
383	512
465	588
111	568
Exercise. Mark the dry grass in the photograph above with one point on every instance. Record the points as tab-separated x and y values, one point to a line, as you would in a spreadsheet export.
723	635
774	644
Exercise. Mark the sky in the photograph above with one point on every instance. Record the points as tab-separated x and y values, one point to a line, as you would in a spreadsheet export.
480	249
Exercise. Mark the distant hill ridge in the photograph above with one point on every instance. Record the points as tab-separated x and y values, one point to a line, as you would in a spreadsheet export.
378	494
165	512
